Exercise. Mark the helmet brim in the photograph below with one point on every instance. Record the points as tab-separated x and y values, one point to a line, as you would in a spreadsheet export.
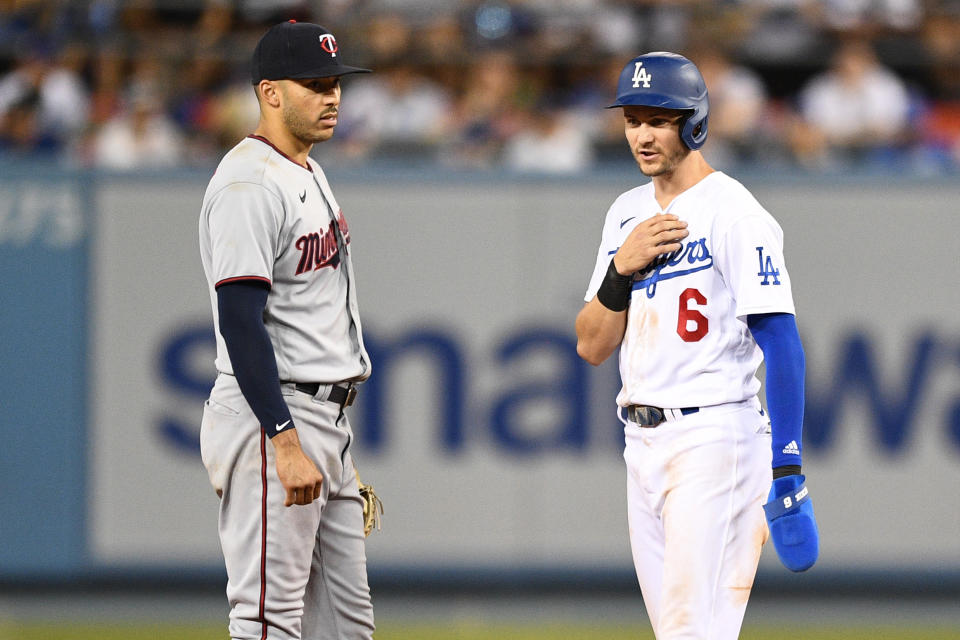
650	100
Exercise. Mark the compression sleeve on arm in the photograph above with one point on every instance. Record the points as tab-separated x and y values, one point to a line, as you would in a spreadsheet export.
240	305
778	338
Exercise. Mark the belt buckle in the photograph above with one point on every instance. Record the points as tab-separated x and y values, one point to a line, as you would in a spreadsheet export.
651	416
351	396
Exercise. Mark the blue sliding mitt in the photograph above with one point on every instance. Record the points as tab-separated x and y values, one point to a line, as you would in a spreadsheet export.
792	525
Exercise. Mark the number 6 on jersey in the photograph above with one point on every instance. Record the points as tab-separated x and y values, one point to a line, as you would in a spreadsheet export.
686	316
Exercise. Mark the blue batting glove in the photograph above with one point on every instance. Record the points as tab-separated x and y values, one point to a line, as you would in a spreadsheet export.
792	525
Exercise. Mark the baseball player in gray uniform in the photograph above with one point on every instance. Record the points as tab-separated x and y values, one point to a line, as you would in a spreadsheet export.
274	439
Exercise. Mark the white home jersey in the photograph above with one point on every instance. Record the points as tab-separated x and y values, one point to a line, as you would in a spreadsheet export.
687	343
267	218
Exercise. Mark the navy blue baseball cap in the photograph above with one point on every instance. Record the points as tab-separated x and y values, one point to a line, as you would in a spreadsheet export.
298	50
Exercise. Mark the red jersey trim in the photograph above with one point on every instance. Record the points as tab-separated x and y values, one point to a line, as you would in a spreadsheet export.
243	279
261	610
274	147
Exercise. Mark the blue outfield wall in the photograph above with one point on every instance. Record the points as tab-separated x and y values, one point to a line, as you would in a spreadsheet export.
44	243
47	226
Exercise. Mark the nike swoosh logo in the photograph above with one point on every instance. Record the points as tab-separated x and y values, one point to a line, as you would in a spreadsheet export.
281	426
623	222
303	196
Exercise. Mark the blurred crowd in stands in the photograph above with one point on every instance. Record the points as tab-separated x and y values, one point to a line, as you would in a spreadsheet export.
515	84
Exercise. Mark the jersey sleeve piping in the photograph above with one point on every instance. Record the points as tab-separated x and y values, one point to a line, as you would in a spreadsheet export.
244	279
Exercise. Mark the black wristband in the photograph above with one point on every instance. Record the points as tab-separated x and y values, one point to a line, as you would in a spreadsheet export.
786	470
614	292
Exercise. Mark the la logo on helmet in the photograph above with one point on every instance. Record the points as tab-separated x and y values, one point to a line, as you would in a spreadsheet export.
640	75
329	44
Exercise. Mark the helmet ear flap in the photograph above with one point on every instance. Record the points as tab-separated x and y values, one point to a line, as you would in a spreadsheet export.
694	130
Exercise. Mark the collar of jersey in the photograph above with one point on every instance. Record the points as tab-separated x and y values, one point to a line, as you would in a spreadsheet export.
275	148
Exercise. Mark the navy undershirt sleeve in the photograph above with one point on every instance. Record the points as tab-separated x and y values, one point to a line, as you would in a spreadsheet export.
241	306
778	338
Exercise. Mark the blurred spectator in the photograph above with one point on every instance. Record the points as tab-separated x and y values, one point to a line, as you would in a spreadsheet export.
737	105
141	137
440	39
65	100
213	26
21	135
592	88
941	41
552	141
488	111
857	105
387	38
614	27
666	25
872	15
500	25
235	113
272	11
781	30
194	107
395	108
52	91
455	81
108	66
438	46
941	121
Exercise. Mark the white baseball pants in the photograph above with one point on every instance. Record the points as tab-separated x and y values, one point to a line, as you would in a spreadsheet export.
695	490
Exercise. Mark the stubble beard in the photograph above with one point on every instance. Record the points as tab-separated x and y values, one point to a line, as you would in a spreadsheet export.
301	128
669	161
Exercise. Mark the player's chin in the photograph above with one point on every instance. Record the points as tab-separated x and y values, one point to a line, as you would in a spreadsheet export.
322	134
651	169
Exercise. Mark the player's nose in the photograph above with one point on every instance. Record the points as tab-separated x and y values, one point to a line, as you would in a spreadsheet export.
643	135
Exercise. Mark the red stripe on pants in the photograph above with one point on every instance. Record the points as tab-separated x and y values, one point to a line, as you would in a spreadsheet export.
263	533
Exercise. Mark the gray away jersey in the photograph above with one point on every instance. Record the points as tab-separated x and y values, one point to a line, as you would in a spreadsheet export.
267	218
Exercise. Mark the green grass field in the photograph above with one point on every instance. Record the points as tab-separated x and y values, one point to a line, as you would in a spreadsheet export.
464	631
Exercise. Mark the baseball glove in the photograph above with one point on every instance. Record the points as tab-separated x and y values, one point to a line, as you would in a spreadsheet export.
372	506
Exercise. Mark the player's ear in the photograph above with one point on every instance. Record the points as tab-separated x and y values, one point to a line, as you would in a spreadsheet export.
269	93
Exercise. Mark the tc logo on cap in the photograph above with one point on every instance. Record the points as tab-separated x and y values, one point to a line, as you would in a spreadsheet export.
329	44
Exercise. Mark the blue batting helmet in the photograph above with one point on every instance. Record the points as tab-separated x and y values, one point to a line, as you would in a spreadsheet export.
668	80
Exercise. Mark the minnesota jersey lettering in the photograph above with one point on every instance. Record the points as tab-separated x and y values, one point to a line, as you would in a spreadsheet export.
318	251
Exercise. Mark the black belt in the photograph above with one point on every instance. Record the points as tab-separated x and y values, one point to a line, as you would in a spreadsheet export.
646	416
343	396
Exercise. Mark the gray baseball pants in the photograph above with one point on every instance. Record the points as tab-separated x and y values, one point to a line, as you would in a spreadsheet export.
296	572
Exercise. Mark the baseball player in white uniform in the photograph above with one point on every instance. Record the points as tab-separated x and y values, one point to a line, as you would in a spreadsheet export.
690	283
275	441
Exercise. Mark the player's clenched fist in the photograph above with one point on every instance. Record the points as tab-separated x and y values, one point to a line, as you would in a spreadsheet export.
298	474
650	239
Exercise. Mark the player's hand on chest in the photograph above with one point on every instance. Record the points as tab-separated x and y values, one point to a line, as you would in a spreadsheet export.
680	247
644	241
